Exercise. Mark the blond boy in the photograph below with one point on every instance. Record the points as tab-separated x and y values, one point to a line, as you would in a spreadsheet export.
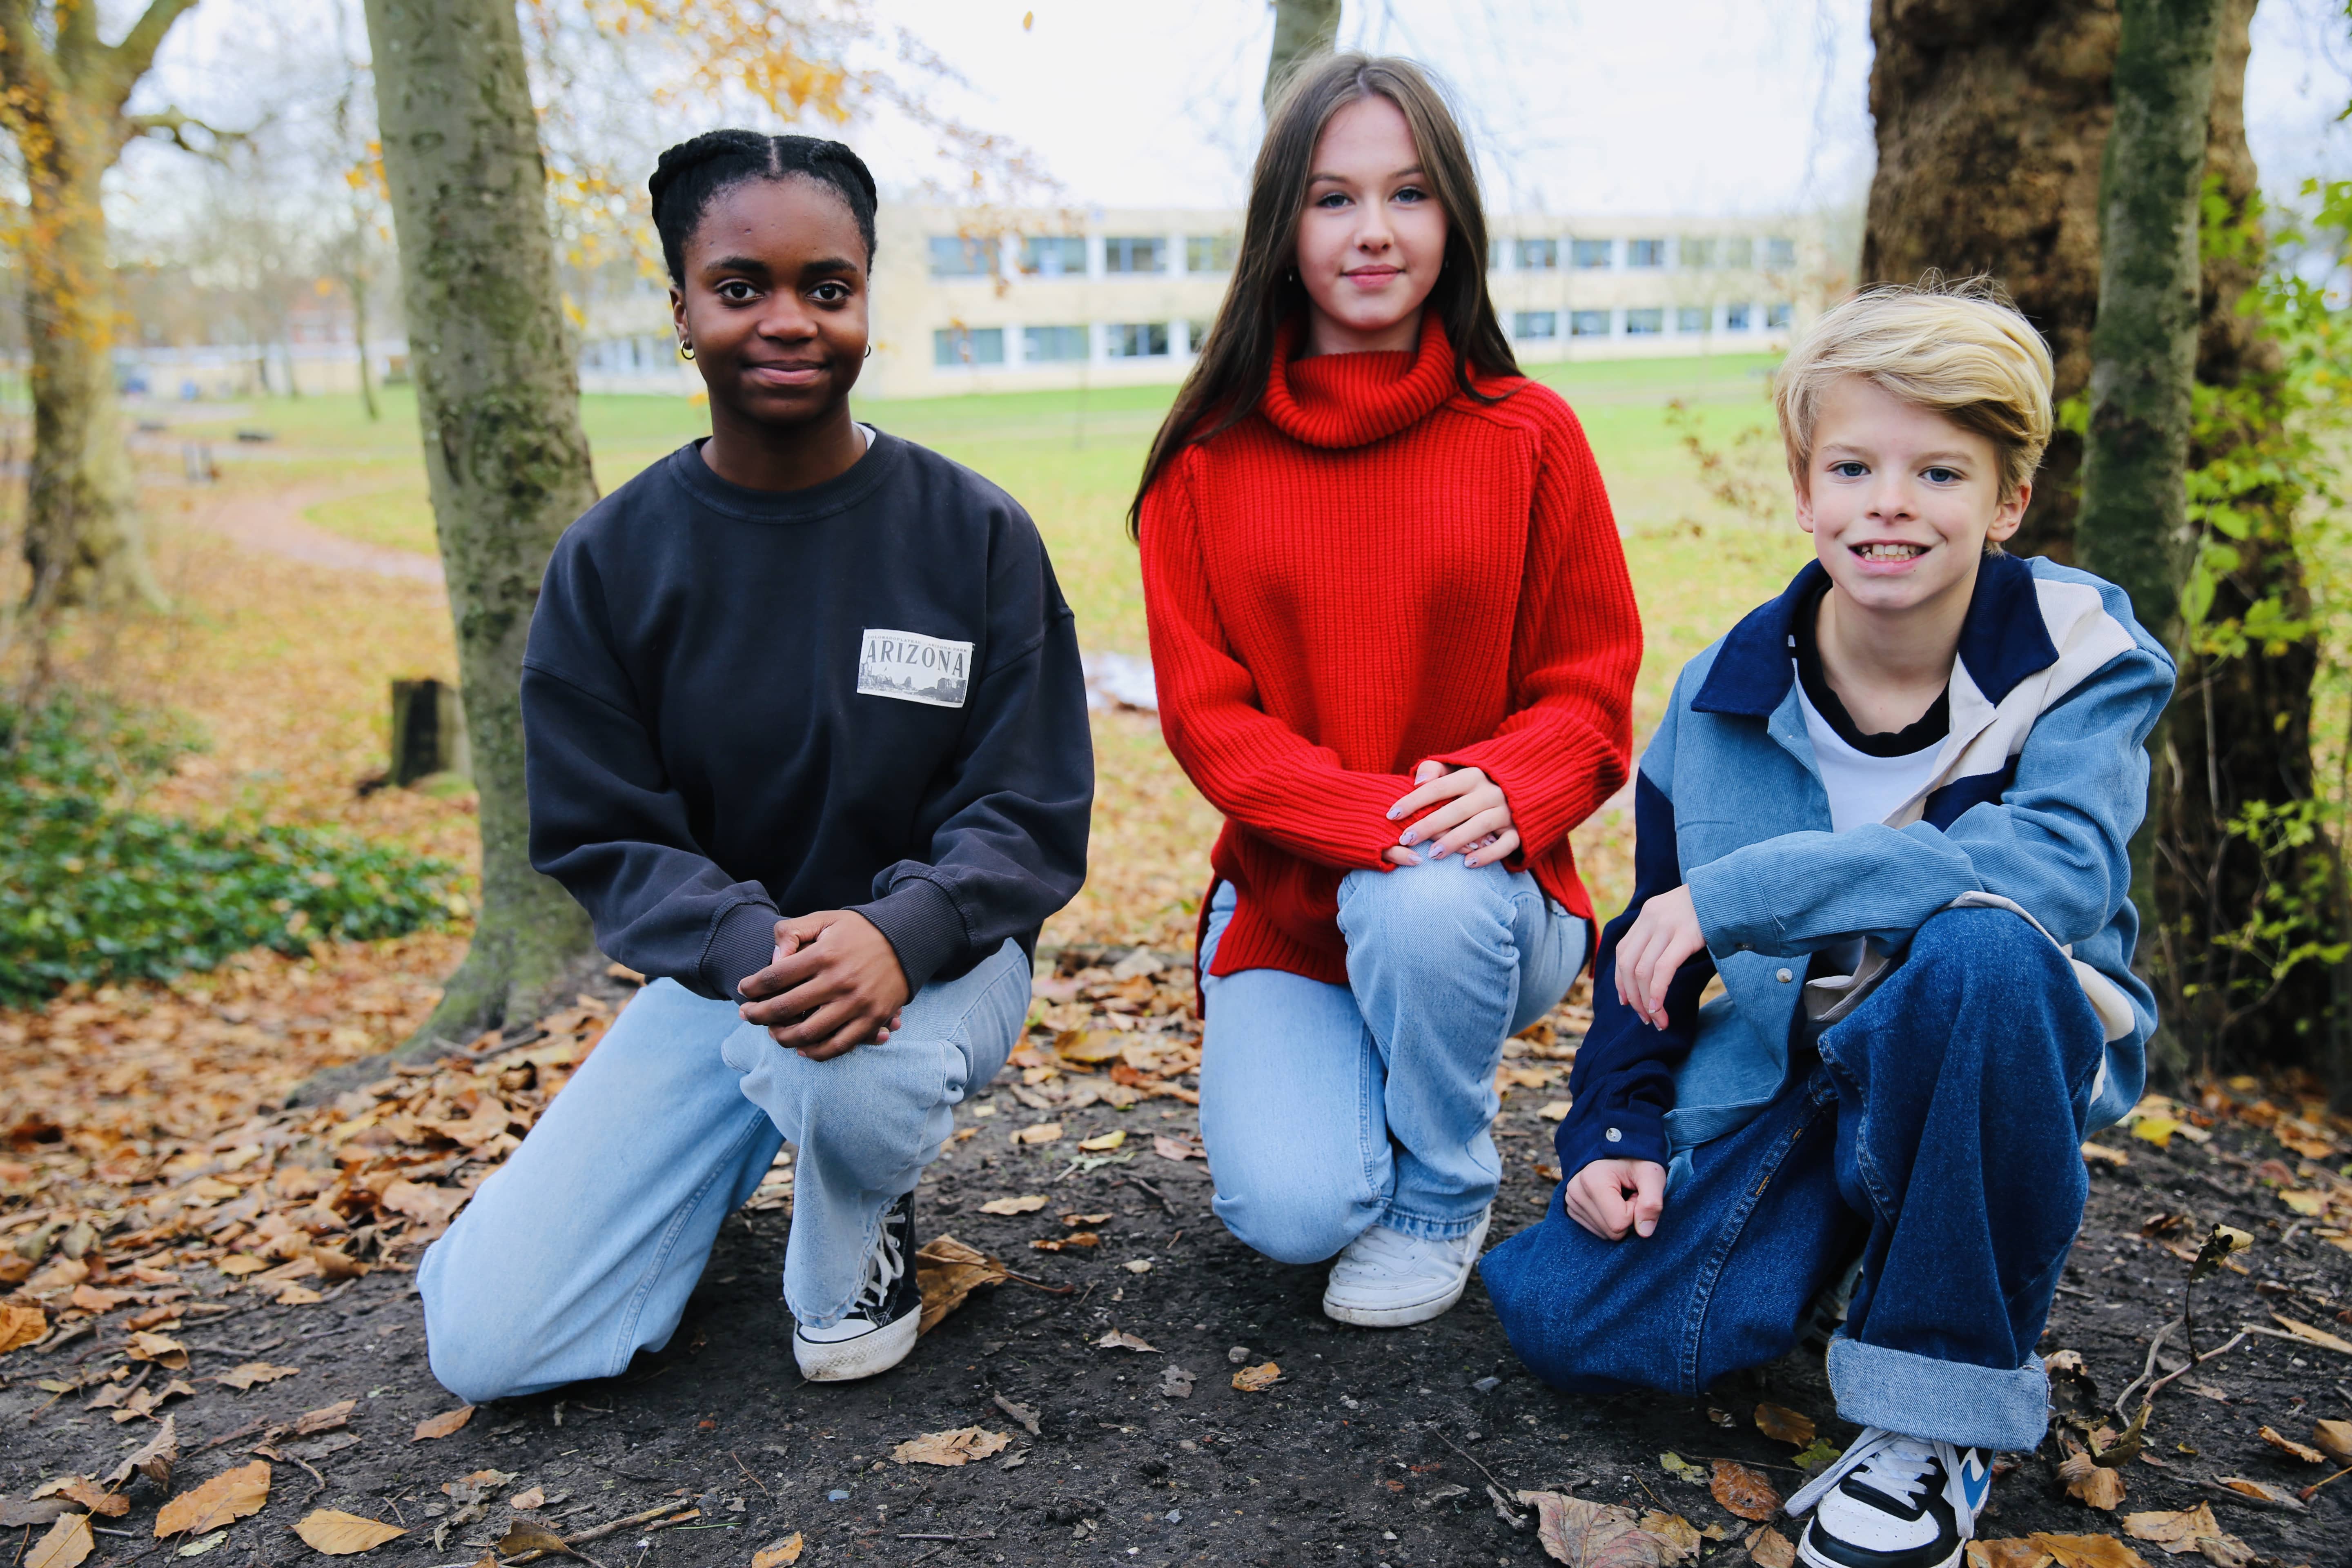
1890	812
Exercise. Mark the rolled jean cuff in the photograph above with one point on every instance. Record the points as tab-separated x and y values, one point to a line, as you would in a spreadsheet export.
1427	1229
1966	1405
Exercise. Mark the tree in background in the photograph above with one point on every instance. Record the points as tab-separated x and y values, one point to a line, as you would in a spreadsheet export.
1301	28
64	93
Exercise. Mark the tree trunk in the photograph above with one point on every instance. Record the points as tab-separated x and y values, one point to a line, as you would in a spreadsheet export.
1992	123
498	397
1302	29
83	537
358	283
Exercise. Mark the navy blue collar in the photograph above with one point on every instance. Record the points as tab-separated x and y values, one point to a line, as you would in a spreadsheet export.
2002	641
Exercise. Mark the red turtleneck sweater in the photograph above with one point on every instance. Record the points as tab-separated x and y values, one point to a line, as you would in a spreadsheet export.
1371	570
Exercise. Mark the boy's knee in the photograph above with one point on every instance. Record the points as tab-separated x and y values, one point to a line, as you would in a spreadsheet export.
480	1340
1973	946
1291	1222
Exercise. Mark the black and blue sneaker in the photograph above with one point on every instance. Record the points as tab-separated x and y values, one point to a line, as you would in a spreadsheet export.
1893	1502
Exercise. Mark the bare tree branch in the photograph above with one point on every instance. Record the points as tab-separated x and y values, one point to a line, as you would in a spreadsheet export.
170	125
136	52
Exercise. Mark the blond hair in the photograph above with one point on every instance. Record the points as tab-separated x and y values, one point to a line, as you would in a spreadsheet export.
1960	349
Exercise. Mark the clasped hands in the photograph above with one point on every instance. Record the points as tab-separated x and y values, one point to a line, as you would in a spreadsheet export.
1475	818
834	983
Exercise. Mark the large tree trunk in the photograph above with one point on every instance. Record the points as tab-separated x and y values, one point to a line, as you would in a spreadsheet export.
499	400
1302	29
1992	121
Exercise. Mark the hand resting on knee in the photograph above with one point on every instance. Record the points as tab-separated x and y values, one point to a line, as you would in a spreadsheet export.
1610	1196
835	983
1476	819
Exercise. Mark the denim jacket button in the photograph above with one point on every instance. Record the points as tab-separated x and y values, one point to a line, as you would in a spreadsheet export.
1782	975
1614	1136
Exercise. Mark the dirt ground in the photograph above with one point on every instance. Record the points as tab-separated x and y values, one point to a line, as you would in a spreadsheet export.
1373	1448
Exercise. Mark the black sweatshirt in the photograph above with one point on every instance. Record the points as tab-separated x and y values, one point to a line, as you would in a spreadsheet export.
862	695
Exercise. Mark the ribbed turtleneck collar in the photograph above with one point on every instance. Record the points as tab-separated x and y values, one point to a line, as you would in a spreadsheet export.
1352	400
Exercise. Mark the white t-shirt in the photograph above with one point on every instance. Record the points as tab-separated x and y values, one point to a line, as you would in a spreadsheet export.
1862	788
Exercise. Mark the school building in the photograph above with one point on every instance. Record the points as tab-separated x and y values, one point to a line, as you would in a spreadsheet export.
1048	299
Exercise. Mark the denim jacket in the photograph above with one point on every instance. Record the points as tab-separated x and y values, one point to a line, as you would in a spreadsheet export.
2037	790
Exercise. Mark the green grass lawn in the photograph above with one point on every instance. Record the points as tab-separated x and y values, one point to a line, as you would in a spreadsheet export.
1072	459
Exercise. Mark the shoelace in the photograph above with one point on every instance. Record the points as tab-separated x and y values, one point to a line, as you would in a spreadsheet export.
1898	1468
884	1264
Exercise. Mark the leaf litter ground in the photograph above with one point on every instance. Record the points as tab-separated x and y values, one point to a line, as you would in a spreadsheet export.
173	1239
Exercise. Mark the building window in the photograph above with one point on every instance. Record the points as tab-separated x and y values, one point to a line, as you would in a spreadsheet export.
1054	256
960	256
955	348
1135	253
1587	324
1644	323
1535	323
1498	253
1588	254
1645	253
1052	345
1778	317
1780	254
1196	335
1136	339
1690	319
1539	255
1208	253
1740	252
1735	318
1699	253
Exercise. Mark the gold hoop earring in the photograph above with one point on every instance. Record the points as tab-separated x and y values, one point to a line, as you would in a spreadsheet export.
685	350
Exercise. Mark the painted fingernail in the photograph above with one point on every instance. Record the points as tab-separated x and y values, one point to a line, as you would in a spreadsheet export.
1394	813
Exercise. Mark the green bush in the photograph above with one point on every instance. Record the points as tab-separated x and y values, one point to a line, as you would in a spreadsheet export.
92	889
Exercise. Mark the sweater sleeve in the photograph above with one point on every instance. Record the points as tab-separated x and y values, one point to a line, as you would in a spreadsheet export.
1257	770
1576	648
606	822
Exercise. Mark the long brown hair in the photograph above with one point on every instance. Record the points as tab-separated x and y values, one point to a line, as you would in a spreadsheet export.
1229	378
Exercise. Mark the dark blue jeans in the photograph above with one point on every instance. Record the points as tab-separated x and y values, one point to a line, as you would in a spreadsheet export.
1941	1129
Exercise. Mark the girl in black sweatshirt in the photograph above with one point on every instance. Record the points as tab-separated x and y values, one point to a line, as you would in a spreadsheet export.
806	735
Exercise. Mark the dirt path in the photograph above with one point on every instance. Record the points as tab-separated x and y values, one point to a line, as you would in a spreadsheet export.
271	522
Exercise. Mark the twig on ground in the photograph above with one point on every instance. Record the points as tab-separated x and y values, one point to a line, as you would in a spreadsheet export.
1465	1454
67	1336
1142	1186
2306	1493
749	1476
2155	1349
2229	1345
315	1476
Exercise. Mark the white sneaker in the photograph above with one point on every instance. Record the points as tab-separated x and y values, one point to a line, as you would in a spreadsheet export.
1387	1279
1893	1502
880	1326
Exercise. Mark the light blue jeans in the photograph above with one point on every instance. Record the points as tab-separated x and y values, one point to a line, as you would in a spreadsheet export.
1329	1109
583	1248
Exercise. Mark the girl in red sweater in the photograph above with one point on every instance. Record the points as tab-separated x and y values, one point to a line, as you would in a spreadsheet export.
1395	645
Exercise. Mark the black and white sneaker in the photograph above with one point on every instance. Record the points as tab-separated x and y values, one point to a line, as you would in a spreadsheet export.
880	1327
1893	1502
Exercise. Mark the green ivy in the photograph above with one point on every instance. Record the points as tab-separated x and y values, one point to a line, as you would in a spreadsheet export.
93	889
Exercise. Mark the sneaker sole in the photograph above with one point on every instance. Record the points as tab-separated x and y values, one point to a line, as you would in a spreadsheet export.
1812	1559
846	1361
1412	1312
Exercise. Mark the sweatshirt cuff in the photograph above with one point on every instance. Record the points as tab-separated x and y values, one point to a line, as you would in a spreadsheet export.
1633	1131
925	928
1734	912
744	945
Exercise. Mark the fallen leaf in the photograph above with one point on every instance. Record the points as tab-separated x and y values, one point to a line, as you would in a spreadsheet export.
67	1543
1028	1203
1740	1491
948	1271
335	1264
530	1536
2156	1130
1168	1148
1767	1548
2087	1550
2292	1449
1681	1468
2315	1336
2191	1529
297	1295
1783	1425
241	1263
1554	1109
326	1418
959	1447
1042	1133
1075	1220
1025	1414
244	1376
2262	1490
227	1497
1677	1537
1816	1453
425	1205
2010	1553
1062	1243
527	1498
441	1425
1087	1047
2335	1439
783	1551
91	1299
1175	1383
2100	1154
1138	1266
1121	1340
161	1350
1104	1143
155	1460
21	1326
340	1534
474	1488
87	1493
14	1515
1251	1379
1591	1534
2089	1482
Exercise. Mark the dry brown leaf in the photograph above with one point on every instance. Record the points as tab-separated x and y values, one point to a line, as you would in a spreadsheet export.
530	1536
2010	1553
2290	1447
948	1270
1767	1548
1168	1148
87	1493
2334	1439
340	1535
474	1488
1042	1133
155	1460
2100	1154
2305	1333
336	1264
1783	1425
959	1447
1677	1537
2191	1529
160	1349
426	1205
240	1264
1062	1243
67	1543
1744	1491
2088	1482
1591	1534
1175	1383
1121	1340
1252	1379
527	1498
244	1376
441	1425
21	1326
1027	1203
326	1418
786	1551
1106	1142
227	1497
2087	1550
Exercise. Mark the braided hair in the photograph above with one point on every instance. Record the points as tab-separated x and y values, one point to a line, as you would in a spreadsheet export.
690	173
